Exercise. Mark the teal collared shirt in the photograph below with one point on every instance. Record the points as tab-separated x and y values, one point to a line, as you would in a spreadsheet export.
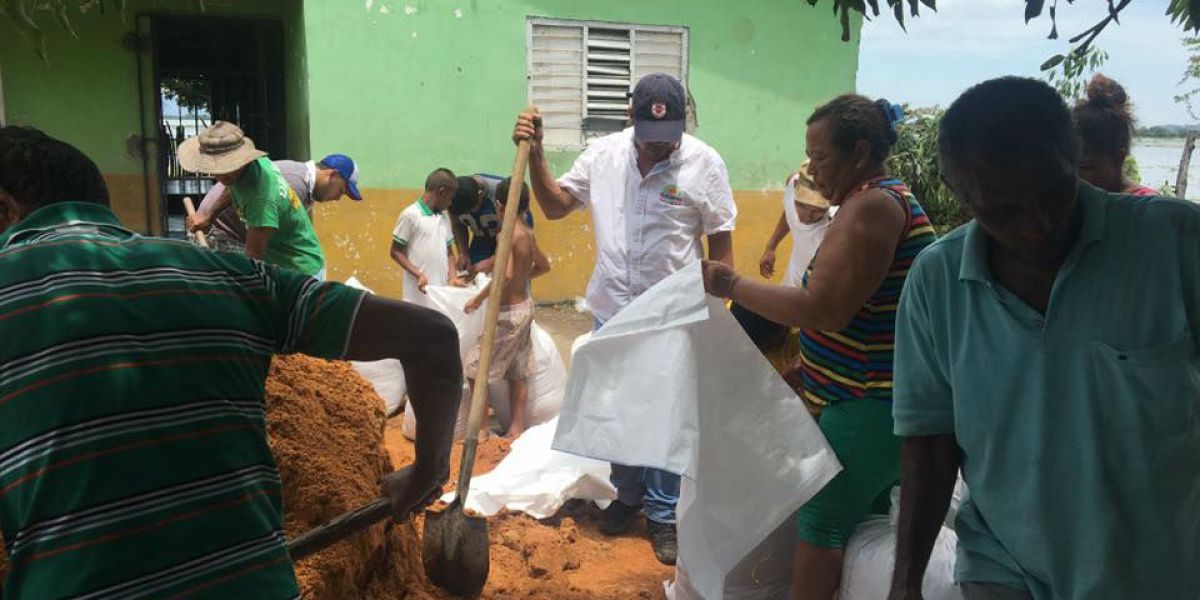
1080	428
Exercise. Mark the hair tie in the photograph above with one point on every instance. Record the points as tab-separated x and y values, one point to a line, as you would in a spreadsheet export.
894	113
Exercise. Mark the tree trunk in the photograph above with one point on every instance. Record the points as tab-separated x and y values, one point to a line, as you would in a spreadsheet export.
1181	180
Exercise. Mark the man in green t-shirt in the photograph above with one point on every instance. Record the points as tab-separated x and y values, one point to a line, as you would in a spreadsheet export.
133	452
278	229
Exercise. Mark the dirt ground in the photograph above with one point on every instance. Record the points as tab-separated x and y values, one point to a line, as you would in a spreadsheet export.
564	324
565	556
562	557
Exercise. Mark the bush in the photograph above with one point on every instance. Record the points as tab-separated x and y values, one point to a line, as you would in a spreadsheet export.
914	161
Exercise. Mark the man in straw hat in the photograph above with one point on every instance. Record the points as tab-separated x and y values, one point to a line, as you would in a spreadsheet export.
806	214
327	180
278	229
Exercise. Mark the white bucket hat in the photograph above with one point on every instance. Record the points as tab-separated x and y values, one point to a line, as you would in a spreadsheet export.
806	190
219	149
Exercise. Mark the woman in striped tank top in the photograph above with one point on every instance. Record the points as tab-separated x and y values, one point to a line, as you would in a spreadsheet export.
846	311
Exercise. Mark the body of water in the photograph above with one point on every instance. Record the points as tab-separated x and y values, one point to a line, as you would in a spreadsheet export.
1158	162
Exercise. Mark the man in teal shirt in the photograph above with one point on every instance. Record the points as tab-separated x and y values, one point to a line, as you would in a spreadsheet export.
278	229
1048	349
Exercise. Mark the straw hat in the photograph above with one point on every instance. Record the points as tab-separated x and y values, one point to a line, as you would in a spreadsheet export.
806	190
220	149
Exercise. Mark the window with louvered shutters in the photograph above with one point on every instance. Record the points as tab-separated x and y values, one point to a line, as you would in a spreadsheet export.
581	72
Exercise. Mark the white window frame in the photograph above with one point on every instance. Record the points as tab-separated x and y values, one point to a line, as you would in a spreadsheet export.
586	25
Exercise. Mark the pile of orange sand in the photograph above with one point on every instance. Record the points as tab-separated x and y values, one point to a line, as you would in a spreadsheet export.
326	428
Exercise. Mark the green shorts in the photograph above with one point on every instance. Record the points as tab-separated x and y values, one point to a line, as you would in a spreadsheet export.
860	433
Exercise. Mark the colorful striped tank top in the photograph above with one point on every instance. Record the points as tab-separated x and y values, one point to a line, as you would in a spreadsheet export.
856	362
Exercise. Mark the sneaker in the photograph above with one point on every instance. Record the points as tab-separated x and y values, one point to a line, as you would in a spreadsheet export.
663	540
616	518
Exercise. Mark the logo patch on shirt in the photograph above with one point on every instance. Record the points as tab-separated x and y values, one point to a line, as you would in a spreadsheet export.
672	195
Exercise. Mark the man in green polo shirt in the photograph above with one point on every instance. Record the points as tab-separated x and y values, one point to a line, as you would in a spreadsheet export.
1049	349
133	452
278	229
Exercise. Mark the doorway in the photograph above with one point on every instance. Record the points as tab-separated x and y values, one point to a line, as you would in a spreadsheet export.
208	69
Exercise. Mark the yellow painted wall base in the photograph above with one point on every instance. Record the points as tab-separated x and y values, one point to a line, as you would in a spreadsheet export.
356	237
126	195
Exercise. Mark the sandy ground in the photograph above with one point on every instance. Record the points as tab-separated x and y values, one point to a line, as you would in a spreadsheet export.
565	556
564	324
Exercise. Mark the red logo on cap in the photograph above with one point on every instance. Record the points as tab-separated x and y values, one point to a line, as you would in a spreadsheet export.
658	109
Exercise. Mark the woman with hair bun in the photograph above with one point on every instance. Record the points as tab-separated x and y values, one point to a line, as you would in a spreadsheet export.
845	308
1105	123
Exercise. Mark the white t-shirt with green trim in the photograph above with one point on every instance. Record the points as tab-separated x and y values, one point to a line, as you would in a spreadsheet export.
427	238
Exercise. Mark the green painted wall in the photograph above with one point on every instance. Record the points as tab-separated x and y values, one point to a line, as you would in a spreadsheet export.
408	85
88	93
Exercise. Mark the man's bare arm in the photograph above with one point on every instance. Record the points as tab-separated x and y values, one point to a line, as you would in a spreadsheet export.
928	469
556	202
462	244
203	219
399	255
386	328
541	262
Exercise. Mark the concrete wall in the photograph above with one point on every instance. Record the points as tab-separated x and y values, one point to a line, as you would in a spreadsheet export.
88	93
405	86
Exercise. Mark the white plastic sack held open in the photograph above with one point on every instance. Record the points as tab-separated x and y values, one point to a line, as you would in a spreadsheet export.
673	382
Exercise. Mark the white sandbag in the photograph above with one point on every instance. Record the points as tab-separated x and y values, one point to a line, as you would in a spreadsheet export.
547	382
960	494
871	555
547	377
579	341
386	376
536	480
764	574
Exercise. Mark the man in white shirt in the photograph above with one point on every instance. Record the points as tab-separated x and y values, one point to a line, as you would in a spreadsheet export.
653	193
422	241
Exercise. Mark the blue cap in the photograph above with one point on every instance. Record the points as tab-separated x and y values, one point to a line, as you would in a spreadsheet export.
347	169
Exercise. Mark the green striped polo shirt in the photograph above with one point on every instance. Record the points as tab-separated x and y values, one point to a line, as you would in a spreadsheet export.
133	456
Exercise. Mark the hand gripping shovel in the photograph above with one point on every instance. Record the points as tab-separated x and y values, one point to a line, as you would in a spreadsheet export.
455	549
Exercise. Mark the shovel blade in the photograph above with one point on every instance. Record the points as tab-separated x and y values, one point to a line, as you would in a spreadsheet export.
455	551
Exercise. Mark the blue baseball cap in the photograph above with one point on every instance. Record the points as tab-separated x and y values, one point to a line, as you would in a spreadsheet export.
345	167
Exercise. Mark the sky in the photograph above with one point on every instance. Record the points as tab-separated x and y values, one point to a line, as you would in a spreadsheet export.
968	41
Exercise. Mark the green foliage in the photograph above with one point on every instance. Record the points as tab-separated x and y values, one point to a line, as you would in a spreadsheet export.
1183	13
1167	131
1191	76
1071	74
915	161
191	94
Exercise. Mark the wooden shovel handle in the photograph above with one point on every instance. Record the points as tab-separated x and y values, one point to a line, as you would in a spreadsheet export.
191	211
487	345
339	528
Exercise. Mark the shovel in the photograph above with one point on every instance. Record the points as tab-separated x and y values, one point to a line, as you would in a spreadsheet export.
191	210
455	549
